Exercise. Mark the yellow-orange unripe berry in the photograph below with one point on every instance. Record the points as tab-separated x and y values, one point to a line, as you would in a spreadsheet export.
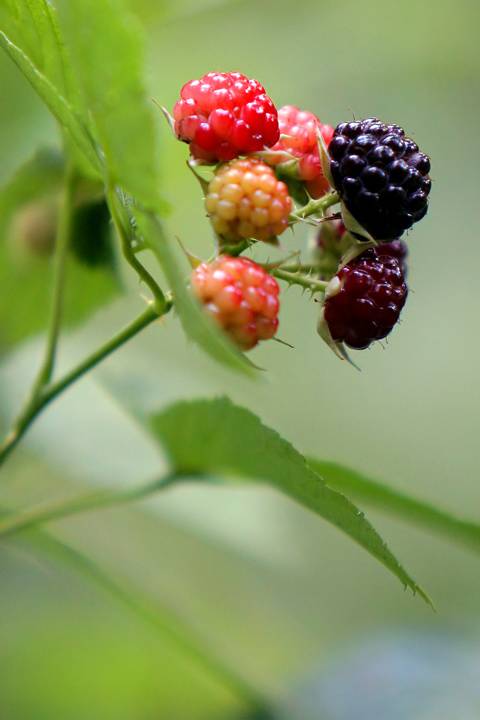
245	200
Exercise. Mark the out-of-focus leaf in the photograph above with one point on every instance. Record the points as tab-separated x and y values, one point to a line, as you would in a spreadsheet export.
40	176
195	322
397	503
26	275
107	50
74	127
163	619
220	438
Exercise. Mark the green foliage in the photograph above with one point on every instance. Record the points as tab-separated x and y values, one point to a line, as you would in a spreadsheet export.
110	75
33	26
75	130
26	280
215	437
410	509
40	176
107	50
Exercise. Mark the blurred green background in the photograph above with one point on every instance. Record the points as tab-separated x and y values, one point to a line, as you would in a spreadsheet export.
274	589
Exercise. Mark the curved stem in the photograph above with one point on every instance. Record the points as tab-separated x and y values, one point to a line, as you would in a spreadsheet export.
49	392
16	522
61	250
62	242
116	210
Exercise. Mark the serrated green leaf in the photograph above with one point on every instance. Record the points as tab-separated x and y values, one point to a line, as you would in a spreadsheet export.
107	50
410	509
74	128
26	278
217	437
195	322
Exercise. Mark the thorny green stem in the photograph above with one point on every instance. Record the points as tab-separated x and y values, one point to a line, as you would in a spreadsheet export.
49	392
300	267
296	278
315	207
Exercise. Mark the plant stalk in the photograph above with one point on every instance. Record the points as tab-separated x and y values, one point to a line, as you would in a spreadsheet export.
297	278
315	207
50	392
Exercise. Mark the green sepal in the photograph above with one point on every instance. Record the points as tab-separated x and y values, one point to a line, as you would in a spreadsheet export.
168	117
324	158
338	348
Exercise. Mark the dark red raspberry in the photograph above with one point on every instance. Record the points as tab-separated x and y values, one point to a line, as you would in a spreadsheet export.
364	299
299	130
224	115
381	176
240	296
397	249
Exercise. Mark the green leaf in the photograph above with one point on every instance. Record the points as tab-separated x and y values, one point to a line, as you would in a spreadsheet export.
195	322
74	128
29	197
33	26
410	509
217	437
107	50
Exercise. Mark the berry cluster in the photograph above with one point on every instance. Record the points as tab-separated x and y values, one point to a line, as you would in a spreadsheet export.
240	296
381	175
224	115
245	200
263	160
299	138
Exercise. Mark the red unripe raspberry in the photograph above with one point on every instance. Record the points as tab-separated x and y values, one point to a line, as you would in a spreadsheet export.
240	296
224	115
300	129
245	200
364	299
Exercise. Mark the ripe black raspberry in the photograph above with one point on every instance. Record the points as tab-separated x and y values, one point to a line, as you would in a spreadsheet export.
364	299
381	176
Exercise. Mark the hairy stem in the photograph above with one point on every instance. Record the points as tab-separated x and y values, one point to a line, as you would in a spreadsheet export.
50	392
